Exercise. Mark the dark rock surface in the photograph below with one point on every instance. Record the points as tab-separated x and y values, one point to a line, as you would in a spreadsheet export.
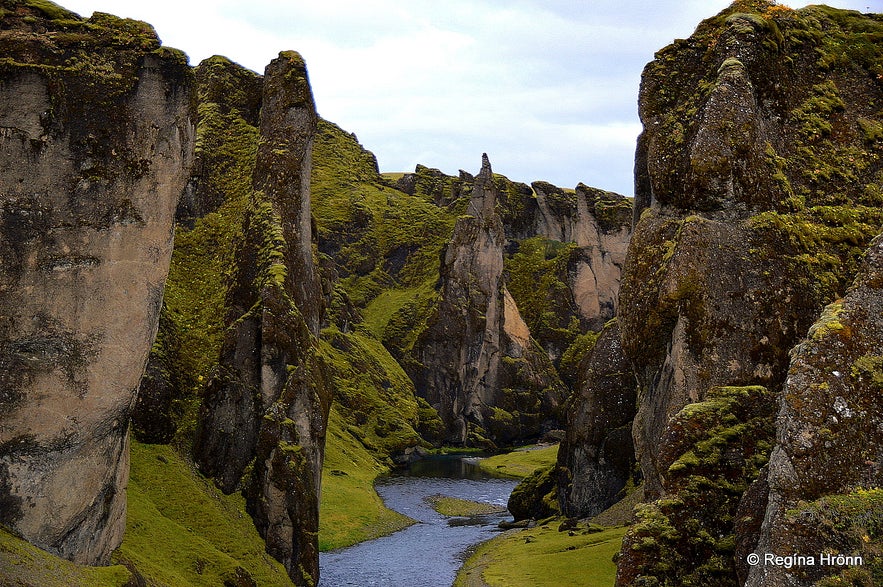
596	457
262	423
827	467
95	147
756	193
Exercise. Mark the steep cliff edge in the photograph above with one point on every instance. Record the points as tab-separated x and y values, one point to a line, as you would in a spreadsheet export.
596	458
96	148
262	423
758	188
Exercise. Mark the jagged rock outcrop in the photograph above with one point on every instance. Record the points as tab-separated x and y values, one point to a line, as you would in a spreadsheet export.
566	252
826	470
756	192
596	458
599	223
478	364
262	423
95	148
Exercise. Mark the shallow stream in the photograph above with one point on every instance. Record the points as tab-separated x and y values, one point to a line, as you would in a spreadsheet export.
428	553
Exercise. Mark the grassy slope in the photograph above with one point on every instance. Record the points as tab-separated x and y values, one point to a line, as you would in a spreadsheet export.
521	462
350	509
182	531
545	557
25	565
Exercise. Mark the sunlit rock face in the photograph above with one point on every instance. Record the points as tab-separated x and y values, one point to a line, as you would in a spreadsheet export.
95	148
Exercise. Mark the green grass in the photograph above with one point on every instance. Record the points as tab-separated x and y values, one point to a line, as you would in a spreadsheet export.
182	531
387	304
454	506
521	462
543	556
350	511
25	565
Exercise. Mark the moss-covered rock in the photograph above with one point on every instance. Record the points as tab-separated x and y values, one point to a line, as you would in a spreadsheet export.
596	460
713	450
830	438
535	497
757	182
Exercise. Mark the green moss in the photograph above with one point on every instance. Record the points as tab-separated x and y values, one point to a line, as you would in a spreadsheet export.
852	521
25	565
350	511
543	556
687	538
371	391
50	9
869	368
454	506
180	530
521	462
538	277
825	242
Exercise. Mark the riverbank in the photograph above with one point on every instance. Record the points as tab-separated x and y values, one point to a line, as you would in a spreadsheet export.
580	555
546	557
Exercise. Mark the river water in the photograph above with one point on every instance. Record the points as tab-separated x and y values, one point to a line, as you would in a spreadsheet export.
428	553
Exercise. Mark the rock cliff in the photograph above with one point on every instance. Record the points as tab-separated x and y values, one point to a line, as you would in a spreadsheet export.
95	147
478	365
826	470
596	457
757	189
262	422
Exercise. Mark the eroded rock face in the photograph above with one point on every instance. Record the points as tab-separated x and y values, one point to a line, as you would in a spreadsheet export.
479	367
596	457
262	423
755	196
599	223
829	447
95	148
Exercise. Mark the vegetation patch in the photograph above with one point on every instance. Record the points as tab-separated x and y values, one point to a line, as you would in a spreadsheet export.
24	565
545	557
521	462
350	511
181	530
454	506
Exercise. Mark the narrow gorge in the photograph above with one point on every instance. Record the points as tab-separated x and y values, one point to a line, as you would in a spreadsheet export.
221	323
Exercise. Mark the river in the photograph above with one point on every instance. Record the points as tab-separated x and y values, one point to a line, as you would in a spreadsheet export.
430	552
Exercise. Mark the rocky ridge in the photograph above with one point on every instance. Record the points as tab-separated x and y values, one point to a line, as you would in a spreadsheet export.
477	348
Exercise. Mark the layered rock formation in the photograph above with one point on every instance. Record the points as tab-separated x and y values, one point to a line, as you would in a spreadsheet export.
757	190
95	148
262	423
479	366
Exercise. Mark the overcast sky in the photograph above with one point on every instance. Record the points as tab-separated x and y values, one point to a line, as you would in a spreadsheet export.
547	88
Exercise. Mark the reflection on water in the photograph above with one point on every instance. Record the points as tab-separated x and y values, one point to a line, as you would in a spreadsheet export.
429	553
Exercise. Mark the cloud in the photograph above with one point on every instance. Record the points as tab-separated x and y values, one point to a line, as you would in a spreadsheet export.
548	89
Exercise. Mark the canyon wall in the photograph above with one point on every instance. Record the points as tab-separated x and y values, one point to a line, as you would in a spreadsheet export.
96	136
